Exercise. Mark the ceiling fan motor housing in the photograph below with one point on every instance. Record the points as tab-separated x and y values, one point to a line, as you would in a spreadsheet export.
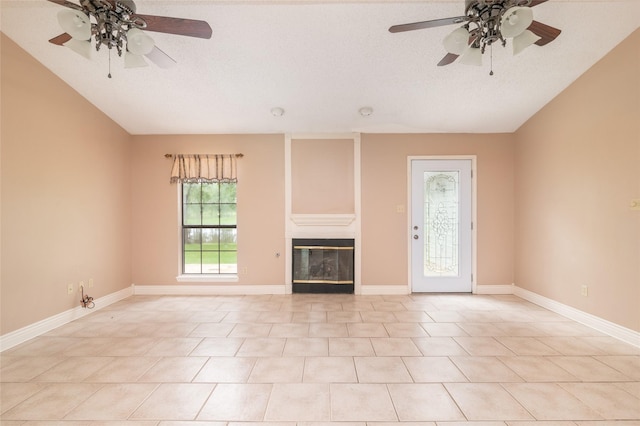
487	15
507	3
113	20
126	4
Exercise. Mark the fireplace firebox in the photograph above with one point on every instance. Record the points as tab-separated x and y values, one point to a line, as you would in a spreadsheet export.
323	265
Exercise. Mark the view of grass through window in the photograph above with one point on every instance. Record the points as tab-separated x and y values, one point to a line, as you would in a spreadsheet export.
209	228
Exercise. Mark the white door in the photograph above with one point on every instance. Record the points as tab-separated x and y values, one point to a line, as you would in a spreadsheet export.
441	250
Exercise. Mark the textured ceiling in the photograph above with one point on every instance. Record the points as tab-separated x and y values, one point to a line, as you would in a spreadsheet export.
321	61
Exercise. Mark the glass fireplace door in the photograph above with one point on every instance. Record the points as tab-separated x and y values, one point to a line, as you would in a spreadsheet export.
323	266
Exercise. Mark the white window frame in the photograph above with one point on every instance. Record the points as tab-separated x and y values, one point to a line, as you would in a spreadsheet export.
194	278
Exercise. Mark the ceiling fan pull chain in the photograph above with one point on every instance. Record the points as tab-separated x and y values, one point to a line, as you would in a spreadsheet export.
109	75
491	62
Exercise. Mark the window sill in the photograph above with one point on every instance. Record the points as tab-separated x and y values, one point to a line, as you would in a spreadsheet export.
218	278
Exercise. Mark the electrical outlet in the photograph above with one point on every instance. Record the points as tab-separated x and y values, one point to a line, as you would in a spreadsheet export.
90	284
69	288
400	208
244	270
584	290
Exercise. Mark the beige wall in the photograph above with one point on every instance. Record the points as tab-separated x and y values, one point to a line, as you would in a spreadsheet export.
384	188
82	199
65	194
155	235
261	204
322	180
578	168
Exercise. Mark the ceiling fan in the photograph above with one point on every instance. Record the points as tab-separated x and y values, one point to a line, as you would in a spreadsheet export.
115	24
484	23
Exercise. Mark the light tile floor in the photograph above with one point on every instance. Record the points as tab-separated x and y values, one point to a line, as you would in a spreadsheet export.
313	359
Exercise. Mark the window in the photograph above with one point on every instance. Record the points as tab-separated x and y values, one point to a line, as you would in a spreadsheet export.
209	228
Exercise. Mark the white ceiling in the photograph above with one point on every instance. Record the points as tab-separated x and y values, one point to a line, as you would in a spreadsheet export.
321	61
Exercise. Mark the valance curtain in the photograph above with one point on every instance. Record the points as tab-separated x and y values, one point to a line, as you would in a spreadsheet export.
204	168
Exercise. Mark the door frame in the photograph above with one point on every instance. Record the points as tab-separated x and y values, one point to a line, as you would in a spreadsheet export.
474	213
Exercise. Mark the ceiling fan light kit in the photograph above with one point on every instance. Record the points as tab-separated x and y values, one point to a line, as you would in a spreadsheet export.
138	42
524	40
75	23
115	24
456	42
515	20
486	22
472	56
82	48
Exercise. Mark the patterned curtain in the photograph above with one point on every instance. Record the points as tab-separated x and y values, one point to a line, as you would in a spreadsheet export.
204	168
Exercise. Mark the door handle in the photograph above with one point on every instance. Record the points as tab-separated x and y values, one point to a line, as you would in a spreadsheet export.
415	237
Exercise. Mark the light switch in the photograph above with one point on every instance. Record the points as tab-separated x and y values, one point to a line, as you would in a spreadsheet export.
635	204
400	208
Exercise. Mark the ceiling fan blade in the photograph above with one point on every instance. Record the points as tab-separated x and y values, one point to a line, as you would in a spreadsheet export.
449	58
61	39
178	26
427	24
68	4
160	58
536	2
547	33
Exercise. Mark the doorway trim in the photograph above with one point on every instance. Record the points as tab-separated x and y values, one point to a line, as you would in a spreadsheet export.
474	214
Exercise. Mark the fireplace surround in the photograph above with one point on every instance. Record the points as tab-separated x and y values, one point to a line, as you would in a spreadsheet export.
323	265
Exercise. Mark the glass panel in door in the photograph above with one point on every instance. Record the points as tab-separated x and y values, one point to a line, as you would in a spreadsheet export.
441	226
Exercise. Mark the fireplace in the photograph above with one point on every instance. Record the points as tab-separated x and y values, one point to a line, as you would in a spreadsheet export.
323	266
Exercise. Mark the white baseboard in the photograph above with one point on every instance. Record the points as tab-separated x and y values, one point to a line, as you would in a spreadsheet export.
201	290
206	290
494	289
381	290
384	290
23	334
614	330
